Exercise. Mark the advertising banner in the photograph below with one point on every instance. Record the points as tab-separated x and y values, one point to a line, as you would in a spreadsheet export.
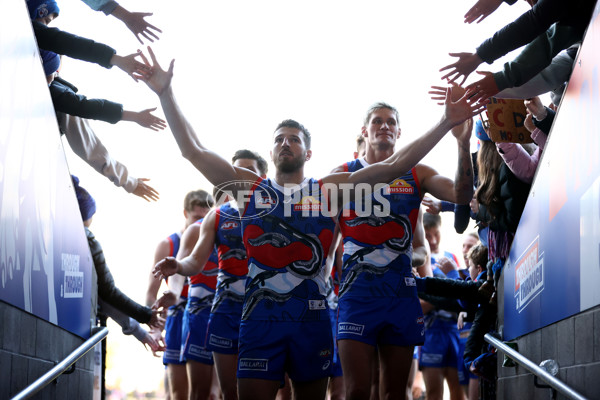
553	271
45	262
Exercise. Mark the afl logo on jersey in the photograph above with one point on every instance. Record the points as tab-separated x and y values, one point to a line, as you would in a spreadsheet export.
265	202
308	203
399	186
229	225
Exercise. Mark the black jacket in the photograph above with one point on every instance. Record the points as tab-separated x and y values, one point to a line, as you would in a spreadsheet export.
513	196
572	13
60	42
67	101
107	290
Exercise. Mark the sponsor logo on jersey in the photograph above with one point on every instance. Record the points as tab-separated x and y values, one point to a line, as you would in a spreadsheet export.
171	354
200	352
308	203
230	225
264	201
399	186
259	199
254	364
220	341
529	276
420	320
410	281
316	305
349	327
325	353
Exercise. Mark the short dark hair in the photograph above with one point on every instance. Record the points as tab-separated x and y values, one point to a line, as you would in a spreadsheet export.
263	167
431	220
290	123
378	106
479	255
199	198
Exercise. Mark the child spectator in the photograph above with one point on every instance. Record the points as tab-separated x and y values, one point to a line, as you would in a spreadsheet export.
498	203
523	165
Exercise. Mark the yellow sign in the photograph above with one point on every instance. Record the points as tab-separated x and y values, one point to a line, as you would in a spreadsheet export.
507	121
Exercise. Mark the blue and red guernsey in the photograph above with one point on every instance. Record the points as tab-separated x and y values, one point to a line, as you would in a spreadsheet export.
174	242
378	240
287	240
233	263
203	285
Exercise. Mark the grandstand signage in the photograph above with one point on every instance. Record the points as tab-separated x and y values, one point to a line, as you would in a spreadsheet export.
553	271
45	262
529	276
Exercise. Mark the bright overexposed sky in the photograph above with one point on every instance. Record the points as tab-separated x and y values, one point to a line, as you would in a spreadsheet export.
242	67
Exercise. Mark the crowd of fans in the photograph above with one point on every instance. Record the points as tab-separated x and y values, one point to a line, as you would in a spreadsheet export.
458	295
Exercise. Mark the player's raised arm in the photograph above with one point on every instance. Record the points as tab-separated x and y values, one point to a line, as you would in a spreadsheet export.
214	167
194	263
407	157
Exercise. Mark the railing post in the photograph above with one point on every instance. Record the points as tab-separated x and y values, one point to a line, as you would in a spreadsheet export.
55	372
557	384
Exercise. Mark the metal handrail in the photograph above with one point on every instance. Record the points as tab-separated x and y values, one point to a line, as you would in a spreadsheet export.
61	367
534	369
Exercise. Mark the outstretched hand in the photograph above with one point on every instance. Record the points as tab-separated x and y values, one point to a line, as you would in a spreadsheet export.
150	341
467	63
146	192
536	108
147	120
157	342
432	206
131	66
140	27
447	265
165	301
481	10
160	79
484	88
156	321
462	132
439	93
165	267
458	111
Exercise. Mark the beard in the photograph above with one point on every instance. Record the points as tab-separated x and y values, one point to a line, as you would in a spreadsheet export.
289	165
383	145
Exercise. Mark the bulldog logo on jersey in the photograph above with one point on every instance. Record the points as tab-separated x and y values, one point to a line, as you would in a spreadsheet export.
308	203
230	225
399	186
